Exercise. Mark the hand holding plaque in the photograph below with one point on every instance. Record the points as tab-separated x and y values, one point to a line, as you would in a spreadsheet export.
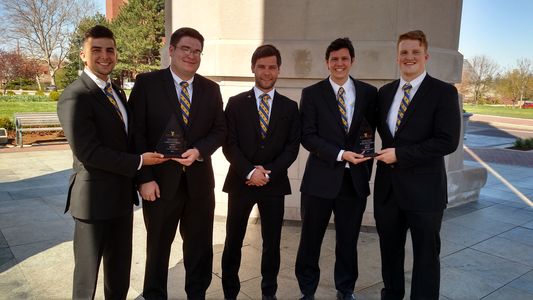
172	142
366	140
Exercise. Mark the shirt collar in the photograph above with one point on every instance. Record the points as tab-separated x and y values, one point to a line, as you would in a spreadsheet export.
259	92
178	80
99	82
415	83
347	86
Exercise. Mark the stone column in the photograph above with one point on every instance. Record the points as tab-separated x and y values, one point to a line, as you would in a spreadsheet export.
301	30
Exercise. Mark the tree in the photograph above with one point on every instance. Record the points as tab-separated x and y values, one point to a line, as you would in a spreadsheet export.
43	28
139	31
515	84
15	66
73	60
479	76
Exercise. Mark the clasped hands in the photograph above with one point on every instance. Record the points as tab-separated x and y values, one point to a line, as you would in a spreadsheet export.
259	177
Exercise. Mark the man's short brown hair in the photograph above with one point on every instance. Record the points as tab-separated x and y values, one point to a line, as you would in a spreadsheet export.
417	35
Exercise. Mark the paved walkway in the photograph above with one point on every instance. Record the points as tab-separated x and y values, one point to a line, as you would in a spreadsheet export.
487	246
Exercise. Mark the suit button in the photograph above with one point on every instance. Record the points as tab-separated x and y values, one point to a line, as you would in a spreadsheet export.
392	166
262	147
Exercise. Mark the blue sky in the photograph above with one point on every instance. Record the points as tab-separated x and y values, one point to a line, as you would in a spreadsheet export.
499	29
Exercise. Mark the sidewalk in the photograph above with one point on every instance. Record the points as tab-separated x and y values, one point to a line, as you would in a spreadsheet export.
487	246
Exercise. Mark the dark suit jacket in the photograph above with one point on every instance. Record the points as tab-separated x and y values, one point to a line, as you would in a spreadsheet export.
324	136
244	147
154	101
104	166
428	132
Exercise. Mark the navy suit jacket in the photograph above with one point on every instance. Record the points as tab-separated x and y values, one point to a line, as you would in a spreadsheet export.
244	147
323	135
429	130
154	101
104	164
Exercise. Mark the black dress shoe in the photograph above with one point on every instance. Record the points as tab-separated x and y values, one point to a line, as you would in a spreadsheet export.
265	297
347	296
307	297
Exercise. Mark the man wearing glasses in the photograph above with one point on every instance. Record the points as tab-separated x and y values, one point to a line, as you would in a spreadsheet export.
182	189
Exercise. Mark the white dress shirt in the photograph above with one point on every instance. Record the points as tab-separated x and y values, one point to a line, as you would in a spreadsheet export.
392	117
349	100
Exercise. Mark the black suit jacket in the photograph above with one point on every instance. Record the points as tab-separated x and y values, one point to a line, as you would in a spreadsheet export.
324	136
244	147
104	164
154	101
429	131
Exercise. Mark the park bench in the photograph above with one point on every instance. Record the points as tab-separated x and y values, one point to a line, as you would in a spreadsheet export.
35	121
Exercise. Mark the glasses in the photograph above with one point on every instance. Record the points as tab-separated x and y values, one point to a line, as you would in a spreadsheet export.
188	51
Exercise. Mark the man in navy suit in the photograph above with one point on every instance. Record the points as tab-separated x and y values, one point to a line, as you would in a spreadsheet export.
419	123
97	124
263	141
180	190
335	113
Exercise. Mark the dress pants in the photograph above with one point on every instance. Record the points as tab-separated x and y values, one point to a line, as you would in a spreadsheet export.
271	210
108	239
161	218
348	209
392	224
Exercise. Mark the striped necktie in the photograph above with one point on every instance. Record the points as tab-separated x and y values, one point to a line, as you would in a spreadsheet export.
185	102
264	108
342	108
406	99
108	90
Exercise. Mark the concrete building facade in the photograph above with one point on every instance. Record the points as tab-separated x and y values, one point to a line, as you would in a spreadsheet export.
302	29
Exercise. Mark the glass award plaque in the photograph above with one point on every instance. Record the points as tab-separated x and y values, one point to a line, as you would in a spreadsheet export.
172	142
366	140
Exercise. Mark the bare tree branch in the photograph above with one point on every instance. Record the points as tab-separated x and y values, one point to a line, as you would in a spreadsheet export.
43	27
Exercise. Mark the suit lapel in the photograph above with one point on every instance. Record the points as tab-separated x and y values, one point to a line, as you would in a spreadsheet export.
330	100
422	90
275	114
172	96
388	98
196	98
359	106
251	110
101	98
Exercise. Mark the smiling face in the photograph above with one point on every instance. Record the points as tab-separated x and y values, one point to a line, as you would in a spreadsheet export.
339	64
185	57
266	73
412	58
100	56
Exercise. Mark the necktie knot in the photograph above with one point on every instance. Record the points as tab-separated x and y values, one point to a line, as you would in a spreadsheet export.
184	84
108	87
264	97
407	87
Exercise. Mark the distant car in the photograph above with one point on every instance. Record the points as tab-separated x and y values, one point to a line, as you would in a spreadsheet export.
128	85
527	104
51	88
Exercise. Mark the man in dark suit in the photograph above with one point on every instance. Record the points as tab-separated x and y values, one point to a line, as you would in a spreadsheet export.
180	190
263	141
334	113
419	123
97	124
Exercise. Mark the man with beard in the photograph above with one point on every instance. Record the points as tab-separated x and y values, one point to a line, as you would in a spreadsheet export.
263	141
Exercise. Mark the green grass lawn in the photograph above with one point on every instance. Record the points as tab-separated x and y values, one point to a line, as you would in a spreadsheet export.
501	111
7	109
